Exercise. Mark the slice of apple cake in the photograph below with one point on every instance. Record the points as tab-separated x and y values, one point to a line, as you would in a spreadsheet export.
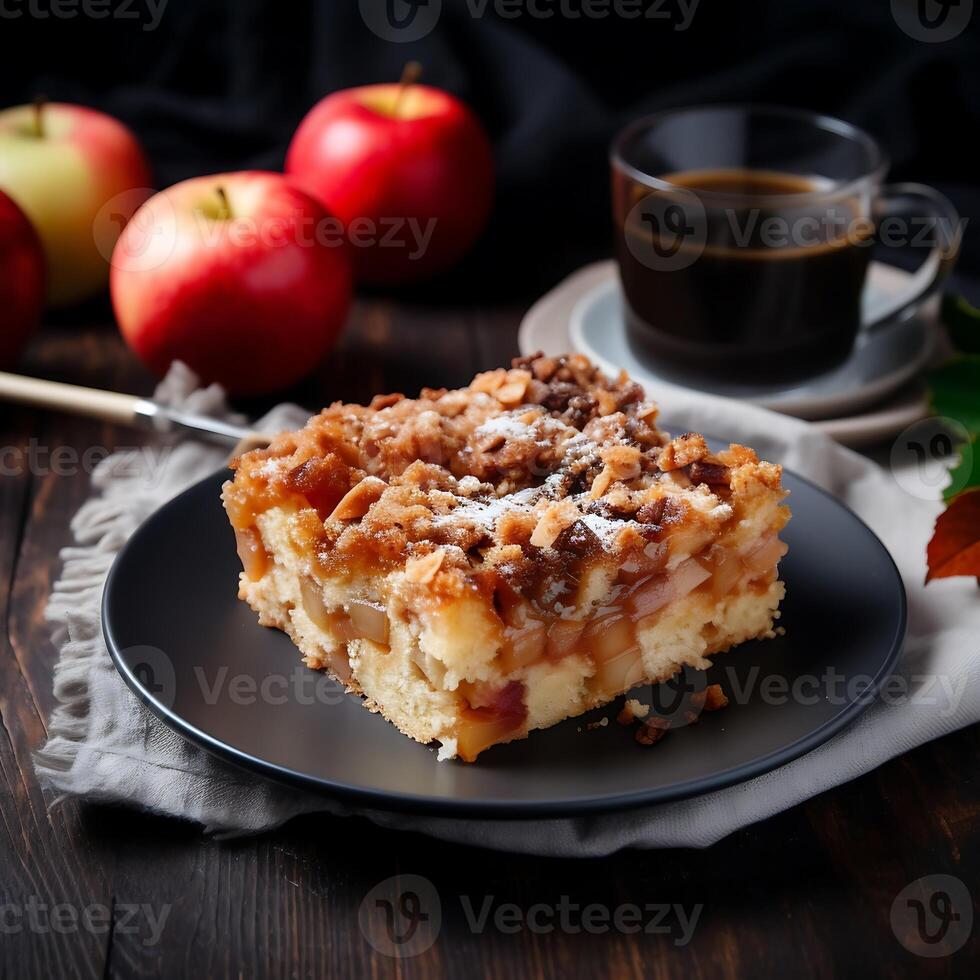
482	562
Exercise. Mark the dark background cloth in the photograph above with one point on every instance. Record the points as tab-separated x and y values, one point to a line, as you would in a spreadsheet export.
222	84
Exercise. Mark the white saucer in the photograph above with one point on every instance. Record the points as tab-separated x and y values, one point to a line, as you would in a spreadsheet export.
583	314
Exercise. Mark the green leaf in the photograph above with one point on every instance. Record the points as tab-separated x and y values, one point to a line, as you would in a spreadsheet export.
955	392
965	475
962	324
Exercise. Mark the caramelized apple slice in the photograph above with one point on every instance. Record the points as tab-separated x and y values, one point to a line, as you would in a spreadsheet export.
765	556
563	637
479	728
251	551
726	569
608	637
322	480
313	605
512	608
614	676
661	589
501	714
339	664
369	622
523	647
636	567
358	621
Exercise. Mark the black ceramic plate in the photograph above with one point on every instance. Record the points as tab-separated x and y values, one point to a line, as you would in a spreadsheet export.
196	656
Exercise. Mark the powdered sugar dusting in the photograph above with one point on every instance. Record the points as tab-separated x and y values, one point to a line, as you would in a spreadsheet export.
485	513
272	467
604	529
506	426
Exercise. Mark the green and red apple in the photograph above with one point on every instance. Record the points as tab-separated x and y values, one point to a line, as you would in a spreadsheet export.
78	174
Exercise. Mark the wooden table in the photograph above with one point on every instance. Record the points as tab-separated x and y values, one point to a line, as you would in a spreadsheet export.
807	893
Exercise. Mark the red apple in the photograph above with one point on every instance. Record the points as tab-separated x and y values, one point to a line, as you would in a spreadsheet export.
407	168
21	280
78	175
242	276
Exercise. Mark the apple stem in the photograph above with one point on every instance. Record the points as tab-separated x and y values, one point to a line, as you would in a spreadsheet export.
225	214
39	103
411	73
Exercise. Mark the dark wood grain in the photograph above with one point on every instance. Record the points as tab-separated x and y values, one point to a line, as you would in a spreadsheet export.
807	893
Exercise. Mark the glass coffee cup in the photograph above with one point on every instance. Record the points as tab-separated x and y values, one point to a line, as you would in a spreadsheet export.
744	235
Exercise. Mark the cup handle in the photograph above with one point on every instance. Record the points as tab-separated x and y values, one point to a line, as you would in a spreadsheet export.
936	215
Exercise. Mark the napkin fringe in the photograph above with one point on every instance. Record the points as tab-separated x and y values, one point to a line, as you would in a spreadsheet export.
83	756
100	527
79	648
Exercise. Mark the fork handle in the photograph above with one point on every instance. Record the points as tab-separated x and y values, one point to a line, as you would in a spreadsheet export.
109	406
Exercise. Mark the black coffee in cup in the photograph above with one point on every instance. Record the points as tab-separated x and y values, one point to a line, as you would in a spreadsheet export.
735	272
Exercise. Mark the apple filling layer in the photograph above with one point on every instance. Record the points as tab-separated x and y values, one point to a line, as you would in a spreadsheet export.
603	653
482	563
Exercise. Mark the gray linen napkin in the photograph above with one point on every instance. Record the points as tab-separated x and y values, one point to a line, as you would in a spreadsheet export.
105	746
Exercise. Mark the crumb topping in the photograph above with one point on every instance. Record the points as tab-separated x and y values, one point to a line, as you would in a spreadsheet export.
533	471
